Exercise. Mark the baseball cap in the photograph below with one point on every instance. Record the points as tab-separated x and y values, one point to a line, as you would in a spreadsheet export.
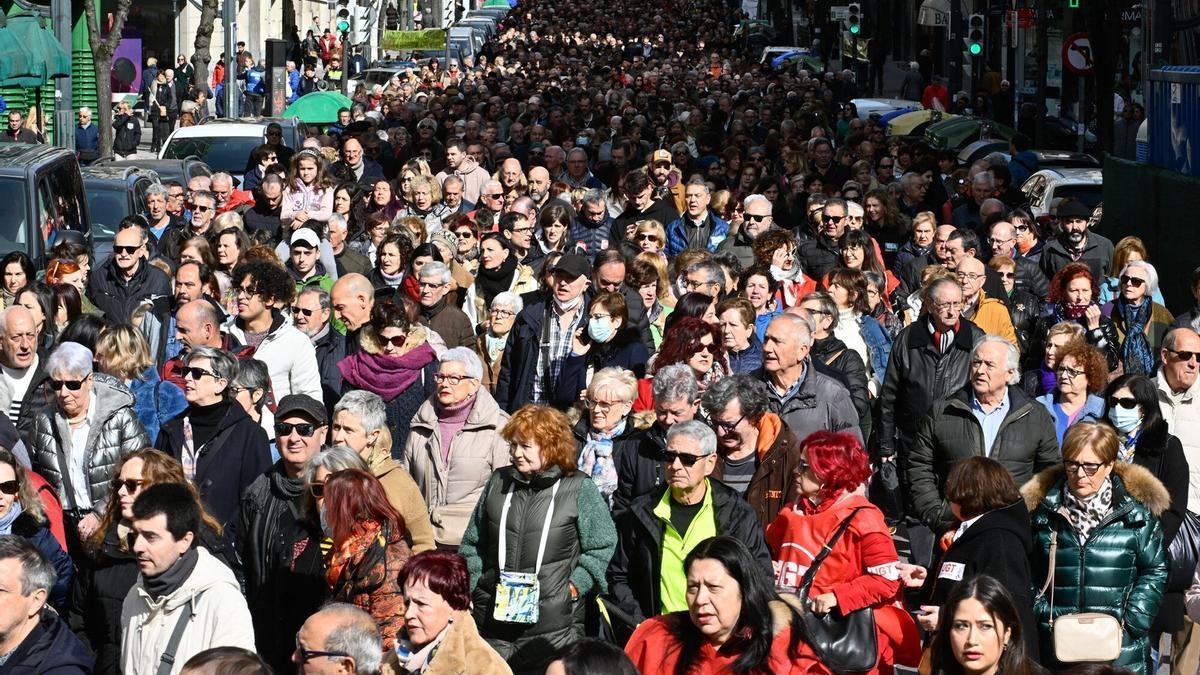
305	236
573	265
660	156
302	404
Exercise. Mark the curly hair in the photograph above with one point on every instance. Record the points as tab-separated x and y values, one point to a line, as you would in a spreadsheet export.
768	242
550	429
1090	360
682	341
272	282
838	459
1058	285
763	271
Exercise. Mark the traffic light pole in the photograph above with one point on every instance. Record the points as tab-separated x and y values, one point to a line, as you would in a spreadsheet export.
954	71
345	83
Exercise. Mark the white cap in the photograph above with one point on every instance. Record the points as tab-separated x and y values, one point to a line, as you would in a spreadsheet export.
305	236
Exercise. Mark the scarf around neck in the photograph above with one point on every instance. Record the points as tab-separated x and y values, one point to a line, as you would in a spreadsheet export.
494	282
7	520
1085	515
1136	352
168	582
388	376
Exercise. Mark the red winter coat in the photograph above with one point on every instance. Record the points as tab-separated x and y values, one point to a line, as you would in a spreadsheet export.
51	505
861	571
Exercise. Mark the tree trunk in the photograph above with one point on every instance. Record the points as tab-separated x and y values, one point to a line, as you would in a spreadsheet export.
202	55
102	53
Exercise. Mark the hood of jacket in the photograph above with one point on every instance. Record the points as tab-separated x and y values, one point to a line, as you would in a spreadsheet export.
1137	482
209	573
110	395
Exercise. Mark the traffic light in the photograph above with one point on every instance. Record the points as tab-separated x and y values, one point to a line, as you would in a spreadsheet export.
976	26
854	20
342	16
363	21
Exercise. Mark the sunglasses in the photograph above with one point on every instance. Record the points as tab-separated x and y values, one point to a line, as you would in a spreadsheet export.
126	249
754	217
1126	402
711	349
302	311
196	373
1088	469
131	485
10	487
73	385
1185	356
201	209
833	219
395	340
728	426
647	237
465	234
305	429
684	458
1136	282
317	490
1008	275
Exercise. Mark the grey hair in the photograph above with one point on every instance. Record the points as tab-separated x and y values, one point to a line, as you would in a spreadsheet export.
697	431
36	571
700	183
338	220
593	196
356	634
223	364
751	394
454	178
85	109
836	201
322	296
755	199
436	269
676	382
607	377
366	406
984	179
855	209
472	366
70	358
712	271
800	323
157	190
827	305
1012	358
508	299
335	458
1151	275
221	175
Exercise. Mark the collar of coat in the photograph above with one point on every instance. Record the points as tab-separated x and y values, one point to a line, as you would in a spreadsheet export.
1135	481
964	337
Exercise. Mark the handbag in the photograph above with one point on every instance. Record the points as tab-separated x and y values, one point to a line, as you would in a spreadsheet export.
518	594
1084	637
844	643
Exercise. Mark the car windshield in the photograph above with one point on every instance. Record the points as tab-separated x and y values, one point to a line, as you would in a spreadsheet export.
1090	195
107	205
227	153
13	232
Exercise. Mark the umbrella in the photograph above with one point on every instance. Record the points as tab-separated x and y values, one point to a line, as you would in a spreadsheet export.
908	120
318	107
499	3
955	133
801	55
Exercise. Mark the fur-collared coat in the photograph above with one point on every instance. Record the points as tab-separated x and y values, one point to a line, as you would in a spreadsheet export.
462	652
1120	570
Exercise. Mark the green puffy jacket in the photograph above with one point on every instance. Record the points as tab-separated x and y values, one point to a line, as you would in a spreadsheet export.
1119	571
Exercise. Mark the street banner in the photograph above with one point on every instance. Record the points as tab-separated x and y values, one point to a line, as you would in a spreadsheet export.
430	38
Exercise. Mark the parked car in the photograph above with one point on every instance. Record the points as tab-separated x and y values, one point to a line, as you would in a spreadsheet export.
113	192
1045	188
42	191
225	144
181	170
381	74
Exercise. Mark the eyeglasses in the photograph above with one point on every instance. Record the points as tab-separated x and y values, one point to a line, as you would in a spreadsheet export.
131	485
305	429
886	166
602	406
201	209
947	306
692	285
1136	282
728	426
302	311
1126	402
754	217
501	312
196	373
998	242
1185	356
464	234
452	379
307	654
10	487
1069	373
521	230
1022	227
1008	275
1089	469
684	458
72	385
126	249
249	291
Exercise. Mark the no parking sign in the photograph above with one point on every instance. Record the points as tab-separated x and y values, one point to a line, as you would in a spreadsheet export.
1077	55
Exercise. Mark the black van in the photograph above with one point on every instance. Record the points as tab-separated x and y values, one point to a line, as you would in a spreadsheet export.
42	192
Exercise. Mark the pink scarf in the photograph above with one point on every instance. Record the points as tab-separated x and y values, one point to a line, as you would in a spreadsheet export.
387	376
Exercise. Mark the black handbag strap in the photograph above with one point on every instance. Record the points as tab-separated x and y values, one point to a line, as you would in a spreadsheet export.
167	662
806	581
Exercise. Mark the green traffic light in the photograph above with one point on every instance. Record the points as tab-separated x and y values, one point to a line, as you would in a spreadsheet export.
343	26
855	29
976	49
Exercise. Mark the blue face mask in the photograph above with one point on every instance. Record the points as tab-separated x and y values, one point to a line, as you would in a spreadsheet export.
600	329
1125	420
324	523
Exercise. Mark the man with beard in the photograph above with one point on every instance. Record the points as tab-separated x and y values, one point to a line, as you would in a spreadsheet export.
459	163
539	186
1077	243
667	181
311	314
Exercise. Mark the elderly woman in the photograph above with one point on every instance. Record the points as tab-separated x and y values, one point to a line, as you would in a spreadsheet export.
360	423
22	514
539	521
919	242
439	634
735	621
1080	373
832	467
1099	518
1072	297
605	341
489	344
397	363
650	237
499	271
93	422
1126	251
221	448
251	388
122	352
1044	378
455	444
606	431
426	203
1141	323
742	346
775	250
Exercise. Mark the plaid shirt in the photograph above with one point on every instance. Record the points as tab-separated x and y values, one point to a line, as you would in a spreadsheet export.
554	347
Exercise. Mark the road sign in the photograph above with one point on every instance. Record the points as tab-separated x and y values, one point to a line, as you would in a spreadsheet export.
1077	55
839	12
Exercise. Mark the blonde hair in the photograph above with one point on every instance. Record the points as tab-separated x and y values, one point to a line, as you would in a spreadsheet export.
227	220
1100	437
608	378
124	351
653	227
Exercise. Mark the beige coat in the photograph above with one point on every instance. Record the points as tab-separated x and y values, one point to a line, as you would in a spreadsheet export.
404	496
478	449
462	652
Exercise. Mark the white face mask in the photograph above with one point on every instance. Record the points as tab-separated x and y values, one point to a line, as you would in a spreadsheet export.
568	305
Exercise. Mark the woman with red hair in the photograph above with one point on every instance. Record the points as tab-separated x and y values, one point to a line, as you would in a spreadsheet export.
861	570
368	551
691	341
1073	296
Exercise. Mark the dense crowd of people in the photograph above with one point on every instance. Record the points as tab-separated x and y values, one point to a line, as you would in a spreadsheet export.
614	352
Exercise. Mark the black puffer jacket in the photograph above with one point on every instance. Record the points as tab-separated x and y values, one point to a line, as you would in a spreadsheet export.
1025	445
917	376
640	473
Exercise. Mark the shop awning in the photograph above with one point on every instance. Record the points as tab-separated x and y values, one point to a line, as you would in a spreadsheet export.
934	13
43	58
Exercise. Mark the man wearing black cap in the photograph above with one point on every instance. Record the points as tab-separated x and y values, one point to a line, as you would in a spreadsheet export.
280	551
541	337
1076	243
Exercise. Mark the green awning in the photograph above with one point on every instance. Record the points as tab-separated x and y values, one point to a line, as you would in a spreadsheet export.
17	60
46	58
